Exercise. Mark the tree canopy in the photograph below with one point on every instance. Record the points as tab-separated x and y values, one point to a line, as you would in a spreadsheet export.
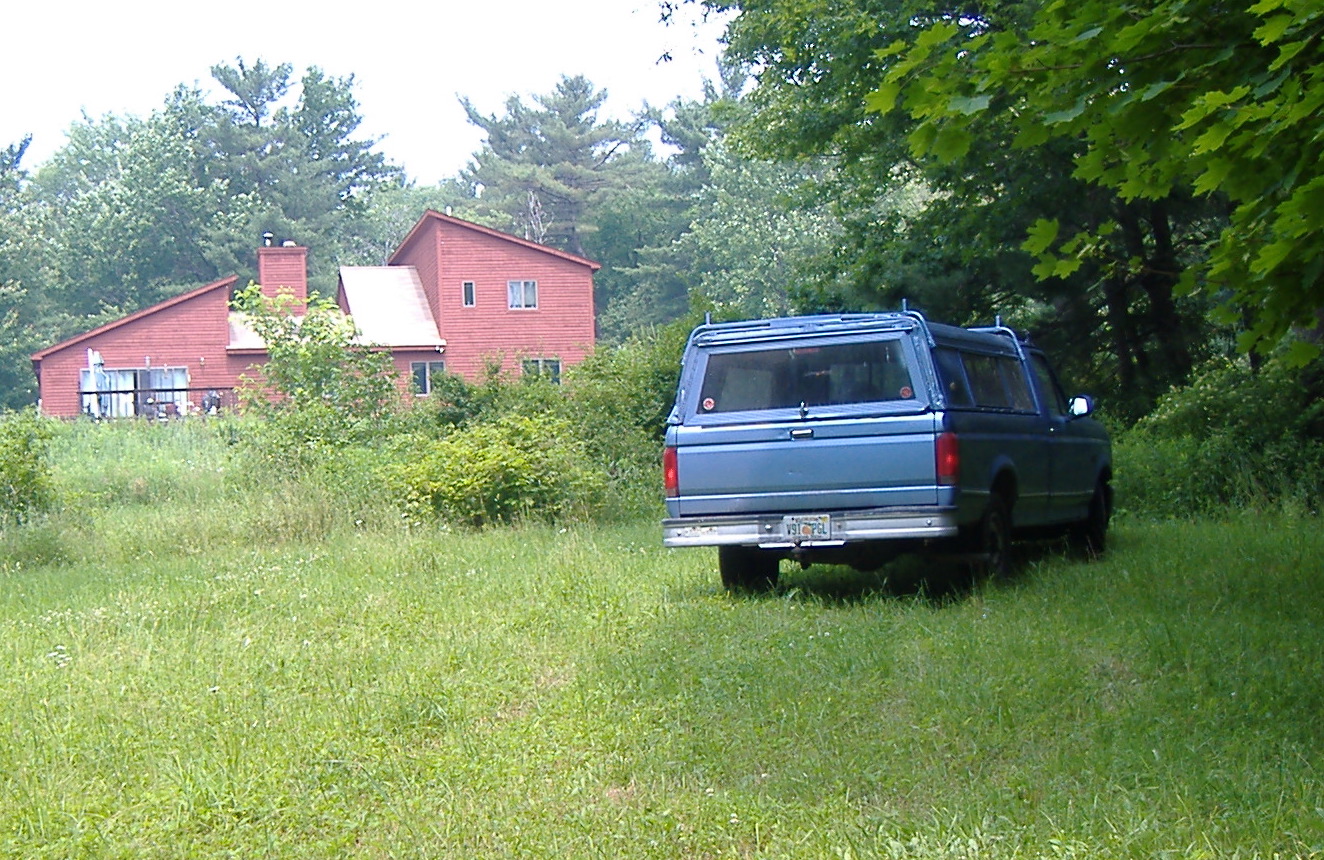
546	168
1179	97
891	90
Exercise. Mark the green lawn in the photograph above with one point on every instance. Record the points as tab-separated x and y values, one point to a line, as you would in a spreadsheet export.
585	692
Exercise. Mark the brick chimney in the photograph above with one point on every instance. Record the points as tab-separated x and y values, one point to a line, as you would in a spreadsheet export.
283	268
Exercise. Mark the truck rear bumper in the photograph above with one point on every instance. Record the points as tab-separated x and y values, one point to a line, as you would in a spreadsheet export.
770	530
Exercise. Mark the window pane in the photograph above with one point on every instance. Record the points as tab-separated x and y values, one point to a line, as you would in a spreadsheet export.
548	368
1056	400
468	291
1014	377
522	294
952	375
831	375
986	381
419	369
122	382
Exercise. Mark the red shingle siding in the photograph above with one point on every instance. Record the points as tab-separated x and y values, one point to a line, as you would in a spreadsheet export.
560	327
283	268
190	331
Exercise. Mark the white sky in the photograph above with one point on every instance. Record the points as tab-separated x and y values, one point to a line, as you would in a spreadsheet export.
410	61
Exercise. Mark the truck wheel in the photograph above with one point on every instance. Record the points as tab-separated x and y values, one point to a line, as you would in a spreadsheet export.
994	539
1090	535
747	569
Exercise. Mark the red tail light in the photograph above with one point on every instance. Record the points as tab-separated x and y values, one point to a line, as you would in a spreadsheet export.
670	474
949	459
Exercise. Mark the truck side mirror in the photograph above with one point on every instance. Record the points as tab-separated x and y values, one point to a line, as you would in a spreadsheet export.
1081	405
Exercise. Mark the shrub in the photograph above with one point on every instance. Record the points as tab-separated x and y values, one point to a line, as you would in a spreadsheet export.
619	399
316	370
1235	435
26	487
515	467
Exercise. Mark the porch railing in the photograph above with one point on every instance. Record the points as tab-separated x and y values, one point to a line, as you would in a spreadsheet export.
157	403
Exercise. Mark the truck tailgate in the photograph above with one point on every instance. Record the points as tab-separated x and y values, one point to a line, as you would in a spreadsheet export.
807	466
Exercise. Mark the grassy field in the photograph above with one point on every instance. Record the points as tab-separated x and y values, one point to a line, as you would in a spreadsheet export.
190	670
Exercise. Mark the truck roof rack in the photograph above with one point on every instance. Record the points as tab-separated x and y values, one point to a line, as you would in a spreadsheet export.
753	330
1006	331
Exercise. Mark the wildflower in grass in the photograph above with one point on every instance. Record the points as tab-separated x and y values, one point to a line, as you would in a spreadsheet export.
60	655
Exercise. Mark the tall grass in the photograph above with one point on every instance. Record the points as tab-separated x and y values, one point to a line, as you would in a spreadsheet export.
539	691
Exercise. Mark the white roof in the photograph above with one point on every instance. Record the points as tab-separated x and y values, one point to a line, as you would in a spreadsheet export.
242	335
388	305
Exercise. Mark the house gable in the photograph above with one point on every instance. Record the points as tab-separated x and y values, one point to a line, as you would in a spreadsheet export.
467	271
188	332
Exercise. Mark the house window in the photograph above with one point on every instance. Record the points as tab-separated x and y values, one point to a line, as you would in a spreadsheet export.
548	368
523	294
424	372
151	392
467	288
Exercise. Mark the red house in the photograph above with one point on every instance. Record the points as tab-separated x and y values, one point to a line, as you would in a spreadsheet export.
454	297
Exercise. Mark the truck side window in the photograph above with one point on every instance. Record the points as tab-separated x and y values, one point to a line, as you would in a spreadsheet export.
986	381
952	374
1013	375
1054	400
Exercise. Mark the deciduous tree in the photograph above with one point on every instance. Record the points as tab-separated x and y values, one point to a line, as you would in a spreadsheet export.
1159	102
959	256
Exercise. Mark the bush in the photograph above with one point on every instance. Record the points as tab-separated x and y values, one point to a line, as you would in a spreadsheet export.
615	403
26	487
619	398
1235	436
515	467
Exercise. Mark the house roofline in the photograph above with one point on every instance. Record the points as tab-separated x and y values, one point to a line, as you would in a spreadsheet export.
432	214
133	317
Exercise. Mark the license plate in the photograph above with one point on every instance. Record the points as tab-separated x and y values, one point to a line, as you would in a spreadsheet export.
815	527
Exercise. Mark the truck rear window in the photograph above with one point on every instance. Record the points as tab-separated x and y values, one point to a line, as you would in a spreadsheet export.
817	375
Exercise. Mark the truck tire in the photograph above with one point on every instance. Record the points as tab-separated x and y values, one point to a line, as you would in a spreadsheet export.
994	539
1089	537
747	568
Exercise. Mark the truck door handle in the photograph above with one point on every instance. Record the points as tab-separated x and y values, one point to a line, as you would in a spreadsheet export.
802	433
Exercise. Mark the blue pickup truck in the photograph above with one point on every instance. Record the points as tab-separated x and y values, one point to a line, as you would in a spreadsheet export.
851	438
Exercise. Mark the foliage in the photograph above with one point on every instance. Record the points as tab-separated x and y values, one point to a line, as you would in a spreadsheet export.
128	189
295	171
512	468
945	234
761	236
315	366
26	487
618	400
133	208
545	170
326	398
1182	95
614	405
1236	436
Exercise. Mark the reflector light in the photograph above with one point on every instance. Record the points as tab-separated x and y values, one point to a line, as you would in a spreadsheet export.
949	458
670	474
